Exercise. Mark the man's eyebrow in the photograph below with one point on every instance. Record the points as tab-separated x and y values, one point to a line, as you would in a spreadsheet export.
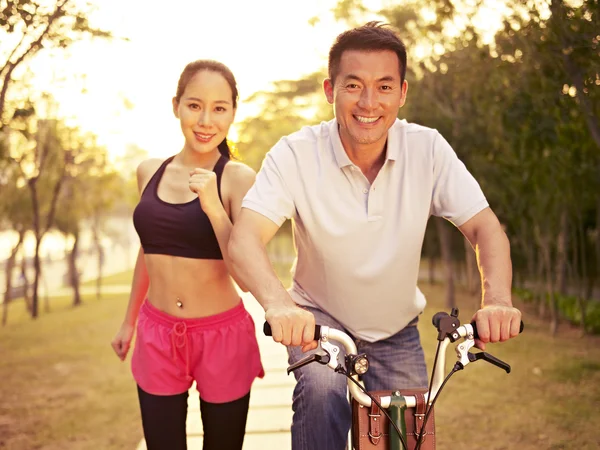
352	76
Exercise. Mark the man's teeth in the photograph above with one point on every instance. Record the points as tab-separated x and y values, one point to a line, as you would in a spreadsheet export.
366	119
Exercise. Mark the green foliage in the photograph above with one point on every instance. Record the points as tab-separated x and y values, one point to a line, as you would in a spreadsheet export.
27	27
569	306
289	106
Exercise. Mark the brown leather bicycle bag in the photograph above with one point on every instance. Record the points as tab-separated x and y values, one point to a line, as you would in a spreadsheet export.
370	427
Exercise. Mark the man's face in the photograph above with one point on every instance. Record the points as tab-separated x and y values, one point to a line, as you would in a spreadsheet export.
367	94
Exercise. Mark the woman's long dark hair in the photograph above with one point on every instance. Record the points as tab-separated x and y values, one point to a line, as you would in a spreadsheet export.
213	66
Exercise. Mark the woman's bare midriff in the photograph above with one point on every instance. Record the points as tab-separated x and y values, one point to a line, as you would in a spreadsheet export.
202	286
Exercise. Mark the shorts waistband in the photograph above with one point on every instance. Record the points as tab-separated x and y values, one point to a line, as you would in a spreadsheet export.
205	323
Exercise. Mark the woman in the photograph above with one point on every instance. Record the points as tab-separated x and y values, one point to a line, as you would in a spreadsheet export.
192	325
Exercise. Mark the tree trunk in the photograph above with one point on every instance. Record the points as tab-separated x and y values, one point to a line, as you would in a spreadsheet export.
10	264
544	246
36	278
446	250
597	237
431	269
470	267
26	297
74	272
580	263
561	253
46	295
101	256
539	289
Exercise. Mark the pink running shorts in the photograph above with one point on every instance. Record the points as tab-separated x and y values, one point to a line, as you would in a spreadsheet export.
219	352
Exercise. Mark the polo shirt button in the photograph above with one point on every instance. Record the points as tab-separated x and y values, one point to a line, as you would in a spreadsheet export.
365	191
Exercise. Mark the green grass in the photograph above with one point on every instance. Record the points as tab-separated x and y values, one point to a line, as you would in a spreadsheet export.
61	385
63	388
548	401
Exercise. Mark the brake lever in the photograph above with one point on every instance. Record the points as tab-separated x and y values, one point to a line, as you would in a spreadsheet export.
329	357
321	358
489	358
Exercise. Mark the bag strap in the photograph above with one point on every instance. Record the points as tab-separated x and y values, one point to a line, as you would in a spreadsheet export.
375	421
420	412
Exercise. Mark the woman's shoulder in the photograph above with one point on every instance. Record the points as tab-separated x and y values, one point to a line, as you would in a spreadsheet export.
238	177
146	169
238	171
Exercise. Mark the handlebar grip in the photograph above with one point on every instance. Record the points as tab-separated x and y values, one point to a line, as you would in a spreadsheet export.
476	334
438	317
268	332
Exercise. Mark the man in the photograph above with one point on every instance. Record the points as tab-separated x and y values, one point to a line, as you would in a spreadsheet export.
360	190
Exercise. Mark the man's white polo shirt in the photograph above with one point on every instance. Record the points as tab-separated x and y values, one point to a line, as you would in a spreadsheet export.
359	244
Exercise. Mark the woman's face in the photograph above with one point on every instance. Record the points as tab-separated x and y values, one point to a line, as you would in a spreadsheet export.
205	111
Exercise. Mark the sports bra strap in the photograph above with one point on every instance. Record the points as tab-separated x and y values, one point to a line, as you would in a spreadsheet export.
218	170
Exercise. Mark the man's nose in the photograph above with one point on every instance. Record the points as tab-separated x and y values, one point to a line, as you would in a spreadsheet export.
367	99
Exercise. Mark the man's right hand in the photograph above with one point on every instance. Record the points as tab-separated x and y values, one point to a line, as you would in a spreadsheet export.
292	325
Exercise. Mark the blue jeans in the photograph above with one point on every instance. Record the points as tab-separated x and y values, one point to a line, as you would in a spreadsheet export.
322	413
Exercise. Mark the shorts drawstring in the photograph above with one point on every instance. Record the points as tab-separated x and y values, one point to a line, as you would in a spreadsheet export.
179	339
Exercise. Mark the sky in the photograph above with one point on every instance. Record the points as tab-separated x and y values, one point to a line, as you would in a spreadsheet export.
129	84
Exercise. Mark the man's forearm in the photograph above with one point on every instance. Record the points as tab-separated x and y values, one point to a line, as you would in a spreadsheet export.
495	266
252	266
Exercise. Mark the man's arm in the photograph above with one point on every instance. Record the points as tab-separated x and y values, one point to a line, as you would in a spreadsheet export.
497	320
291	324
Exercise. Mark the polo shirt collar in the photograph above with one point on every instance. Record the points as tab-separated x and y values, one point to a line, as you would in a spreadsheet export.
395	140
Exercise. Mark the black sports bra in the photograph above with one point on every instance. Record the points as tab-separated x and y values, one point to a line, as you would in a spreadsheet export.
176	229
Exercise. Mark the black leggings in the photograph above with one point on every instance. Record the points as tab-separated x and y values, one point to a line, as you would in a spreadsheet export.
164	417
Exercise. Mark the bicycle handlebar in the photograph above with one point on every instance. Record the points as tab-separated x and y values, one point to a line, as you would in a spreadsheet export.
327	334
269	332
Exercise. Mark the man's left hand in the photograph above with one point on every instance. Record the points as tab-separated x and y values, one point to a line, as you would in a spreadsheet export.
496	323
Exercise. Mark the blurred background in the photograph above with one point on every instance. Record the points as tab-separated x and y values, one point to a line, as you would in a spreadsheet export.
85	95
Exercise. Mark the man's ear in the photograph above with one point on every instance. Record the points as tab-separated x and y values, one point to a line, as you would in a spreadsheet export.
404	92
175	107
328	89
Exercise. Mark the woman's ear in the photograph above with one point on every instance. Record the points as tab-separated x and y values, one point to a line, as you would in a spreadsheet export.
175	107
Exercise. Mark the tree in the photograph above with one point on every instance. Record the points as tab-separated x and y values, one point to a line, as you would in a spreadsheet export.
284	110
91	189
15	214
28	26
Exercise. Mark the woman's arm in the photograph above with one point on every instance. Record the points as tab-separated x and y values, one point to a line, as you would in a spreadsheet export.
237	180
140	283
139	289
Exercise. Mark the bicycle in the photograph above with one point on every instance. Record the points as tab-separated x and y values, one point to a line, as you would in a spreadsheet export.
354	365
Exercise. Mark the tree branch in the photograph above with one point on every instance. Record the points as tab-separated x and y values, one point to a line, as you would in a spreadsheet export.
35	45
